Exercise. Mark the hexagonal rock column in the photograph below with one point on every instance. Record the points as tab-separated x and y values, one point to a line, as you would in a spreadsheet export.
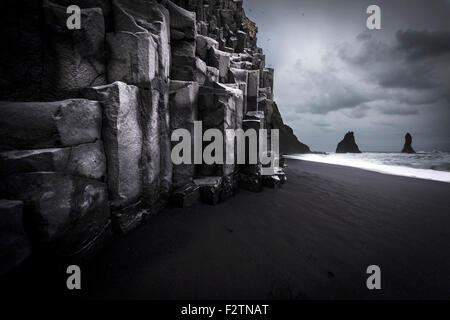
185	68
66	214
238	96
122	137
183	100
240	77
133	58
266	106
186	196
36	125
182	22
250	174
252	90
153	157
217	109
220	60
267	78
14	244
146	16
73	59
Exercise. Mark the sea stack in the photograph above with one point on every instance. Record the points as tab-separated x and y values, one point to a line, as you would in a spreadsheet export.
348	144
407	148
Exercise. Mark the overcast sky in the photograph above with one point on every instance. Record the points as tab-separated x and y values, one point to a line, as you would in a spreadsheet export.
333	75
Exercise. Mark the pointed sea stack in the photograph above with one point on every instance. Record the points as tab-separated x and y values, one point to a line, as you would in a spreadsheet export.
348	144
407	148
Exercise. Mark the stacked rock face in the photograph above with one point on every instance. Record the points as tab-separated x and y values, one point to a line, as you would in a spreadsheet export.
53	160
87	115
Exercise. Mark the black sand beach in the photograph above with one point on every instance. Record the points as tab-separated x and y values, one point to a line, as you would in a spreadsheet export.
312	239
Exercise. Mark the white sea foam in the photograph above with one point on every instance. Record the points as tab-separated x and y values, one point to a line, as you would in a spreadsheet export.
423	165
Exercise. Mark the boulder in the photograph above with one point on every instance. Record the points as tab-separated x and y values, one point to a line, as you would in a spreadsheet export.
36	125
407	147
273	181
65	213
186	196
132	58
348	144
85	160
229	186
279	172
73	59
210	189
128	218
14	244
122	137
250	178
183	104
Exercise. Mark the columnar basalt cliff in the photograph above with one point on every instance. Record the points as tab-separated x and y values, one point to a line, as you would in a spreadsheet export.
87	115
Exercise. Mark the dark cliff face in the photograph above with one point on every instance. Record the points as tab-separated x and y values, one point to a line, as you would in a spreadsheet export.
348	144
289	143
407	147
86	115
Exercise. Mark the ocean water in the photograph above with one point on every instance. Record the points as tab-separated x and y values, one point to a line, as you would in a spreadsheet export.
423	165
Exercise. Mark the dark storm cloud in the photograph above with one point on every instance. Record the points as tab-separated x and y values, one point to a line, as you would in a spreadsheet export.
337	75
423	44
398	110
402	64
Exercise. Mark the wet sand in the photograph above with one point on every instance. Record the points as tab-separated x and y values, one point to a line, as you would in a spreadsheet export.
311	239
